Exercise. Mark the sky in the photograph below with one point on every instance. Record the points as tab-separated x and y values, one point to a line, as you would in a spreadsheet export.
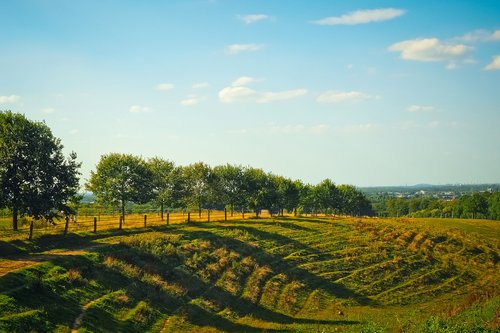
362	92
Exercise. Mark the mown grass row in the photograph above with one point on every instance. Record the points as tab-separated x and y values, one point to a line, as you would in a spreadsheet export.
276	275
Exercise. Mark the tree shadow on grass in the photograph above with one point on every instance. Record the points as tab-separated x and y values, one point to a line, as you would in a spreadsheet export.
62	309
281	222
280	265
196	288
12	248
71	241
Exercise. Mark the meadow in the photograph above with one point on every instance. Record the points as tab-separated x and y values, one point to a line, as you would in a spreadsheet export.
304	274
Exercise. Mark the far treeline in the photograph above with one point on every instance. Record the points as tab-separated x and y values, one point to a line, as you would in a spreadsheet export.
480	205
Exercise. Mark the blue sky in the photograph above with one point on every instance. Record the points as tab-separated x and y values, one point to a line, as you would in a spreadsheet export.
362	92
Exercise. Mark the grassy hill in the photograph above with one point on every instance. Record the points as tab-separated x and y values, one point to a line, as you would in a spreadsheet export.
263	275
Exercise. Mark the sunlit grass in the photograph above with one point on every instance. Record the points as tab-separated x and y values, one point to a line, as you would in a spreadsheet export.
299	274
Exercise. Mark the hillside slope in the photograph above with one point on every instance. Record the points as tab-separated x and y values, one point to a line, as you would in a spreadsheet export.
303	274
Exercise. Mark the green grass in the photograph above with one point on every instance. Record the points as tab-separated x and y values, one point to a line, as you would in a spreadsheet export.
289	274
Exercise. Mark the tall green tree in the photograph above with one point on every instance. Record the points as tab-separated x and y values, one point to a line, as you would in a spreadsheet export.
327	196
494	206
261	190
166	184
230	185
288	194
476	205
353	202
199	181
121	178
36	179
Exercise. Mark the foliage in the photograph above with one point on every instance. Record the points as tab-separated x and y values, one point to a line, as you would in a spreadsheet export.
167	183
200	188
230	185
121	178
36	179
476	205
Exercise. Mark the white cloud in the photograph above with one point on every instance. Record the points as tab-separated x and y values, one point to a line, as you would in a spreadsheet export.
9	99
431	50
299	128
139	109
412	125
200	85
362	16
238	131
480	36
48	110
191	100
320	129
359	128
420	108
333	96
236	94
269	97
252	18
243	81
165	86
494	65
238	48
434	124
287	129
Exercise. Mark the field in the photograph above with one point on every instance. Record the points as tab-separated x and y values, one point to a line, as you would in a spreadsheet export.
258	275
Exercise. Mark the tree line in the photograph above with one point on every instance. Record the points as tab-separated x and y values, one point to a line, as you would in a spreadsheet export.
480	205
38	180
119	179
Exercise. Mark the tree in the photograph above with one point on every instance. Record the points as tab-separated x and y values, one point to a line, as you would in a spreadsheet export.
121	178
166	182
327	196
261	190
494	206
36	179
288	193
306	199
230	185
476	205
353	201
199	185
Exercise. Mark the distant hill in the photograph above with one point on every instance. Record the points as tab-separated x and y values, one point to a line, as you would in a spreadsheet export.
88	197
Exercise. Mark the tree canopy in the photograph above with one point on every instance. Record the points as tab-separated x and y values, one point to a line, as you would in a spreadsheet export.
121	178
36	179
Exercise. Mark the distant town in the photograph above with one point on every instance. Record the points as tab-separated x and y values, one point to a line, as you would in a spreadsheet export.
443	192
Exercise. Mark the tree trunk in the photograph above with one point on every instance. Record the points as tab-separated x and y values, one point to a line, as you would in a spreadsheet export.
14	218
31	230
199	211
122	219
161	207
232	209
66	225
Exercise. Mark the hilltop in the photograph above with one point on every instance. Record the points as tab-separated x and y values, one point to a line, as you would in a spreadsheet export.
286	274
